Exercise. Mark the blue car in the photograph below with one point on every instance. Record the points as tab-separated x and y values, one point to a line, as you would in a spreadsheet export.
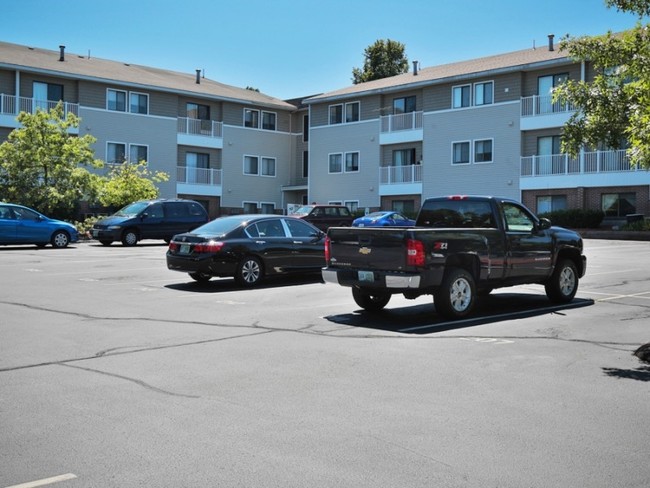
383	219
22	225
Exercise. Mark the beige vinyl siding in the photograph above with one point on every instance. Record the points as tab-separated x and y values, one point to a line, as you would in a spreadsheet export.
370	108
7	82
160	104
387	152
216	108
386	107
506	88
529	140
530	78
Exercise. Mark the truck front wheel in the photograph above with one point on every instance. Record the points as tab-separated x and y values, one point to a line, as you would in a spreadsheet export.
456	296
370	301
563	283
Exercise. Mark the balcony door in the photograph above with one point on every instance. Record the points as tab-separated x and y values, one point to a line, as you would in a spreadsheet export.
545	85
44	92
197	165
548	150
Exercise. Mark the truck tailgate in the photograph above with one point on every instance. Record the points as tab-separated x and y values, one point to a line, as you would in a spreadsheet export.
368	248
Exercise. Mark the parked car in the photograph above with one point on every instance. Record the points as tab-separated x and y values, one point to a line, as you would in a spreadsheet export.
23	225
325	216
383	219
150	219
248	248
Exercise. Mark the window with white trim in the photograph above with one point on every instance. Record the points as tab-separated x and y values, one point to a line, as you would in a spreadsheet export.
115	152
352	111
268	120
336	114
460	152
353	205
267	207
483	93
483	151
138	153
268	166
138	103
461	96
336	163
351	162
251	165
251	118
250	207
116	100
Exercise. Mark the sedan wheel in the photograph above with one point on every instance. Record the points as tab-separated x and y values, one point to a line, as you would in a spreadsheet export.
249	272
60	239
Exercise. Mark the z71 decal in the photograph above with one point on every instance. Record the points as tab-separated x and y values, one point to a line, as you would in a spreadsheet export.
439	246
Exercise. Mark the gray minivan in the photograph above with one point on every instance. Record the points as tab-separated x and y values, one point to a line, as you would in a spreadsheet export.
150	219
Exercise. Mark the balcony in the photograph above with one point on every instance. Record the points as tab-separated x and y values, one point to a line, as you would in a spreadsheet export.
399	128
201	133
400	180
12	105
598	168
198	181
541	112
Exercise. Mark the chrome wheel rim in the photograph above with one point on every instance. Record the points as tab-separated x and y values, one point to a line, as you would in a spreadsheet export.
460	295
567	281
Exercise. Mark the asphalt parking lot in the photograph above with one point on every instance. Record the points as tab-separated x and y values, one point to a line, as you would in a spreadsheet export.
116	372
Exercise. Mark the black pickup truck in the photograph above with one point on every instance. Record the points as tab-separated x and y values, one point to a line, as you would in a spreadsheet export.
461	247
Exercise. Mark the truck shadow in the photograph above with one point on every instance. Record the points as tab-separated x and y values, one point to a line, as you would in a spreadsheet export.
423	318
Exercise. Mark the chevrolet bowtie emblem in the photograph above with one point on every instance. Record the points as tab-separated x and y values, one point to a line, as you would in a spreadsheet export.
365	250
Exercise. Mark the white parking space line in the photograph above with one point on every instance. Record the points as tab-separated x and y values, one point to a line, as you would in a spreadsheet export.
45	481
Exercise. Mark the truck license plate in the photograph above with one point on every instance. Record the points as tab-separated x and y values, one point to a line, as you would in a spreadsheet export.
366	276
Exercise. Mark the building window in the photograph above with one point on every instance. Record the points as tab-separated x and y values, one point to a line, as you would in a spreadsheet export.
353	205
403	157
139	103
352	112
305	128
336	163
268	166
251	118
116	100
115	153
551	203
250	207
461	96
267	208
138	153
460	152
305	164
483	151
198	111
483	93
403	105
47	91
336	114
403	206
351	162
618	204
251	165
268	120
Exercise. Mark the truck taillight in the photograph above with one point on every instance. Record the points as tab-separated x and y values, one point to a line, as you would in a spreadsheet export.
414	253
327	250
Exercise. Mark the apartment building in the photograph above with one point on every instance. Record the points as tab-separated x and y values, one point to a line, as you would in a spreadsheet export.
485	126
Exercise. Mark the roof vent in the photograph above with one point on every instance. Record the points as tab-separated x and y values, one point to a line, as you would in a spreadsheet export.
198	76
415	68
550	42
61	53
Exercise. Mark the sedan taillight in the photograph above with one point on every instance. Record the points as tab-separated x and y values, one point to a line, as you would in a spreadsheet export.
208	247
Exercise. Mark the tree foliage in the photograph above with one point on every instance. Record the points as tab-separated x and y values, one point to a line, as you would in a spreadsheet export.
44	166
382	59
613	110
128	182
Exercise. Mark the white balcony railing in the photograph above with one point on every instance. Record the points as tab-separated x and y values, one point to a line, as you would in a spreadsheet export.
543	105
199	127
198	176
407	121
588	162
12	105
390	175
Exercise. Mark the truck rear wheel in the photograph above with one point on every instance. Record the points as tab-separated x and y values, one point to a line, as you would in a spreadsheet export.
562	286
370	301
456	296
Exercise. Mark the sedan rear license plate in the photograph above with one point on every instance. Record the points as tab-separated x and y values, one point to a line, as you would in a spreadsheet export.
366	276
185	249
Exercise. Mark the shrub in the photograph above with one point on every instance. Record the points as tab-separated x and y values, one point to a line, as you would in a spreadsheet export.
638	225
83	228
576	218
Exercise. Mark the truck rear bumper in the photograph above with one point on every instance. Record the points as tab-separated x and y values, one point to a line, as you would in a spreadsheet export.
352	278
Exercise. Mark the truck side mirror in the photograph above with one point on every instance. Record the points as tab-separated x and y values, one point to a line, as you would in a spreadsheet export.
544	224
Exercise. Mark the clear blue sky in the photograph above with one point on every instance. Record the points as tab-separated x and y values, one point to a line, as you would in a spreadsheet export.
293	48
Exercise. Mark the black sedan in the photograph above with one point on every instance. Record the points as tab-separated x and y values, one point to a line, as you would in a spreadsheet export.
248	247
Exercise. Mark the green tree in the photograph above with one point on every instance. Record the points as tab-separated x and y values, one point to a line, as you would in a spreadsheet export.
128	182
614	108
384	58
44	166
